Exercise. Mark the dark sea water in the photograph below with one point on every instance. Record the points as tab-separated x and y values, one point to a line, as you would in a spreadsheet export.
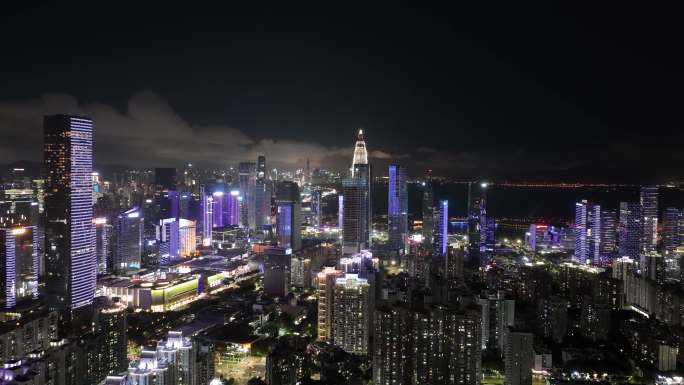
551	204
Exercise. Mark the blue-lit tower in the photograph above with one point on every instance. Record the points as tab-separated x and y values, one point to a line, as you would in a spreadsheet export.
128	240
288	216
441	235
397	208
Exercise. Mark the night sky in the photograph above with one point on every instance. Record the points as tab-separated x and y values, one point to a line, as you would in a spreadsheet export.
518	92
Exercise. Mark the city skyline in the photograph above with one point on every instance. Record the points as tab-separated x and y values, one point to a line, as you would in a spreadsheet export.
470	95
467	194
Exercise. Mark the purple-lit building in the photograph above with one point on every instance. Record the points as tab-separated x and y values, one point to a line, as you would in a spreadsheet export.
288	216
174	203
69	236
217	208
441	236
231	208
397	208
340	211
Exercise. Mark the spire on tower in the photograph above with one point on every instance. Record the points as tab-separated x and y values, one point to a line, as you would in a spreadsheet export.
360	153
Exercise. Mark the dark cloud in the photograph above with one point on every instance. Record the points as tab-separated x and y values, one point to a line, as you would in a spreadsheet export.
150	133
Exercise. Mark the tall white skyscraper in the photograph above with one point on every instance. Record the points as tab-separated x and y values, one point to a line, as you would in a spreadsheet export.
69	235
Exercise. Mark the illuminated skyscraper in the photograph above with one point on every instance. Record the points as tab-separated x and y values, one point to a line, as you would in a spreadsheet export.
340	211
649	215
231	208
594	233
629	231
18	265
589	233
397	208
206	215
128	236
69	237
608	247
277	271
288	216
262	195
441	235
428	209
360	152
217	208
351	312
673	229
247	179
104	245
325	285
111	326
168	234
357	204
316	208
476	202
355	230
187	238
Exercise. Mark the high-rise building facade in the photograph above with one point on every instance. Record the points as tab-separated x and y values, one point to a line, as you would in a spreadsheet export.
476	208
128	236
104	245
277	271
69	237
206	215
608	237
340	212
581	242
630	230
519	357
442	229
357	211
325	286
288	216
428	209
316	209
649	218
446	346
397	208
262	195
351	312
18	265
218	201
673	230
433	345
168	238
247	177
589	228
187	238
